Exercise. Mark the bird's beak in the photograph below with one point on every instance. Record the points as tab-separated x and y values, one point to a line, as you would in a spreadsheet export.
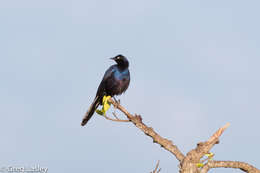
113	58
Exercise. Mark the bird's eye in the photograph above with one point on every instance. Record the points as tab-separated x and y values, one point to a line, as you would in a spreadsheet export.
117	57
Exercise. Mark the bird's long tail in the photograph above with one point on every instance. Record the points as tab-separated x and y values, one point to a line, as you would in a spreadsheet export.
91	110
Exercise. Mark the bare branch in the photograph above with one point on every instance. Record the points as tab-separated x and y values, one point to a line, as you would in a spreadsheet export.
202	148
230	164
116	120
115	115
157	169
218	133
137	120
188	163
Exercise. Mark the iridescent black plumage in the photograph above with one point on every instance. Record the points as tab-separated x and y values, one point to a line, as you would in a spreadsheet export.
115	81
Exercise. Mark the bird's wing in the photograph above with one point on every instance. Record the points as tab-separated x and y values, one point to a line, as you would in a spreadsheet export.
108	74
128	82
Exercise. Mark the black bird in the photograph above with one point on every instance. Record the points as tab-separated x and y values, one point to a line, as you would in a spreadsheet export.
115	81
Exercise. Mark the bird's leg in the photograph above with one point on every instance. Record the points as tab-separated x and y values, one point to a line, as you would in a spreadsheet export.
106	105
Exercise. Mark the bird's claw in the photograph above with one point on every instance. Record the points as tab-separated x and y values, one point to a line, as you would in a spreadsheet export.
105	107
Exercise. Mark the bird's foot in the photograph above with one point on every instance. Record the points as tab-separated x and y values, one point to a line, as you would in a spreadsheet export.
105	107
209	157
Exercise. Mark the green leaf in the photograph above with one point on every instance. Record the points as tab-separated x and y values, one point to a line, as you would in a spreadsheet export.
199	165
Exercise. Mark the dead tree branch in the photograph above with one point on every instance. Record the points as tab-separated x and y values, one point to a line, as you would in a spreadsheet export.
193	157
188	163
229	164
156	169
117	119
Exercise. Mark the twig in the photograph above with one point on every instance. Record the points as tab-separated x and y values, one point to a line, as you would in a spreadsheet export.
116	120
157	169
115	115
218	133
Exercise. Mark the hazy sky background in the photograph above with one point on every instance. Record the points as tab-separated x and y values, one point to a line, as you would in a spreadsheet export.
194	67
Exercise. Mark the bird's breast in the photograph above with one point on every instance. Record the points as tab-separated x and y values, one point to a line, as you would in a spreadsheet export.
119	83
122	75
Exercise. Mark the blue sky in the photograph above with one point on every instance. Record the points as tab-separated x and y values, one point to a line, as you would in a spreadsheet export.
194	67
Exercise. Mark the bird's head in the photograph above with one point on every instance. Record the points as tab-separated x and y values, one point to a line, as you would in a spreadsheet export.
121	61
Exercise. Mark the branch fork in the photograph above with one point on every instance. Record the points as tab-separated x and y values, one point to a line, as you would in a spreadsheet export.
188	162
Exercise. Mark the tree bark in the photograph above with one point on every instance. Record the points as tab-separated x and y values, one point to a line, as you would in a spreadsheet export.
191	162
